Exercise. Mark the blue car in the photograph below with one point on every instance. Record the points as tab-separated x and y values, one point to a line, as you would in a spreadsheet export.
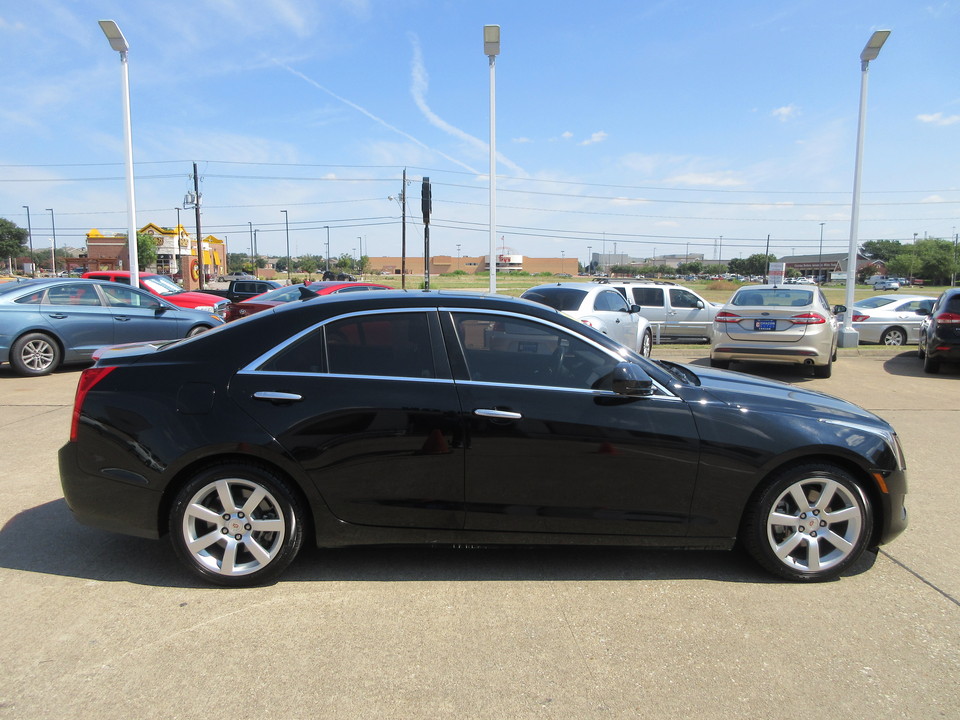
46	323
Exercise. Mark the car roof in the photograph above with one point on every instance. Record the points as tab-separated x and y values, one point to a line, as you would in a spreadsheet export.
118	273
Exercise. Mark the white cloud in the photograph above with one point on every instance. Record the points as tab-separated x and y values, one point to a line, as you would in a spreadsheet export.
932	199
522	140
598	136
718	179
939	119
567	135
786	112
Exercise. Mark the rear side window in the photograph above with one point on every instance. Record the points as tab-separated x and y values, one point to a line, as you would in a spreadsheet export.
611	301
648	297
559	298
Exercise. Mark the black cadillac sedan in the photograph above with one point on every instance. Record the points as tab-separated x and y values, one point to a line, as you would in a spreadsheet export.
426	417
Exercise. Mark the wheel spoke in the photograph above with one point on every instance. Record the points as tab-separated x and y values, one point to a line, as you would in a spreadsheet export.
813	554
202	513
198	545
838	542
777	518
826	495
842	515
226	499
228	564
256	497
784	549
796	492
258	551
271	525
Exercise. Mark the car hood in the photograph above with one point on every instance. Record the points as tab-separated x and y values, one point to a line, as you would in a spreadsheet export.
200	298
755	394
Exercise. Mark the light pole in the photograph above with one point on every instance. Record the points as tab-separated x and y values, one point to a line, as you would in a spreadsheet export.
33	262
53	227
286	222
458	256
491	48
327	228
820	256
848	336
589	259
562	255
119	43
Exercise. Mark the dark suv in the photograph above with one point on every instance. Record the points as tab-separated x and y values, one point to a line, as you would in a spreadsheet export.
940	331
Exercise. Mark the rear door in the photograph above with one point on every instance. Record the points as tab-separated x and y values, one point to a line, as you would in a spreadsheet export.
77	315
689	316
366	405
653	307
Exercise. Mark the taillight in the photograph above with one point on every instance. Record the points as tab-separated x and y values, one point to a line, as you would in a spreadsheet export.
860	318
727	317
948	318
809	318
88	378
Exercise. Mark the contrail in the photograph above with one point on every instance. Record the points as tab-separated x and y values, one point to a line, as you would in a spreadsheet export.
374	117
418	88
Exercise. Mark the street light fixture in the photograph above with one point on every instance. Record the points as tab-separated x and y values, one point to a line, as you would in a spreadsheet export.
286	222
849	337
491	48
119	43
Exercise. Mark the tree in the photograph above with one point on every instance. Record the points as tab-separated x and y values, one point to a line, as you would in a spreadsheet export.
13	239
146	251
885	250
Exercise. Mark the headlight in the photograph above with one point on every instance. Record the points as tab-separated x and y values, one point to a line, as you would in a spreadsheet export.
206	308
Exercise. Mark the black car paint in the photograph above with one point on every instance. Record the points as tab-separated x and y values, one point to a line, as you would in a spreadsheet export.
392	465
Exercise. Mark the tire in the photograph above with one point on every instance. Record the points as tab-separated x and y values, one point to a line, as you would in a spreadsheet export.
720	364
810	523
921	349
35	354
646	344
931	364
236	524
894	336
197	330
823	371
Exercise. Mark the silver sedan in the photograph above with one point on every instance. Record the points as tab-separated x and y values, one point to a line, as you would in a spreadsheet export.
889	319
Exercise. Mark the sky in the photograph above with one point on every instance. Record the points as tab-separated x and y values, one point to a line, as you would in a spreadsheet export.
639	127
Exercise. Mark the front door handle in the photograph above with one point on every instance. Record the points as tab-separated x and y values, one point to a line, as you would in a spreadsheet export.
498	414
277	396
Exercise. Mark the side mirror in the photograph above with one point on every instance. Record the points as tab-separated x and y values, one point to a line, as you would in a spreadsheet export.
630	379
837	309
700	305
634	308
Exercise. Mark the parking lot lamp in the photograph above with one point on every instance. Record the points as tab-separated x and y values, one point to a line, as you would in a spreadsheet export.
53	227
286	222
491	48
820	257
848	336
119	43
33	262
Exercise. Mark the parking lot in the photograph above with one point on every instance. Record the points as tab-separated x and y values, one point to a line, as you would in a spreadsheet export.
107	626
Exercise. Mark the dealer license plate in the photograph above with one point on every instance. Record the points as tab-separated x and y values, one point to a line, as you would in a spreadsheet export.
764	324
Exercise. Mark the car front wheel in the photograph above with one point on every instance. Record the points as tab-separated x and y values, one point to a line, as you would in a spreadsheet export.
236	524
35	354
810	524
646	344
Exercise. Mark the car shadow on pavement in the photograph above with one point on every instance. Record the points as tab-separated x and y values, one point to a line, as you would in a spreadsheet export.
792	374
46	539
908	364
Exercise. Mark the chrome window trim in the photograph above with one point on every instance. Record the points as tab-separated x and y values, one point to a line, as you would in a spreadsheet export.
252	368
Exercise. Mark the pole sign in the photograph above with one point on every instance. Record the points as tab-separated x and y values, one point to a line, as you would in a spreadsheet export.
775	273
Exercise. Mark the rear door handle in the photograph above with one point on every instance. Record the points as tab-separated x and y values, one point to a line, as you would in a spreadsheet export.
499	414
277	396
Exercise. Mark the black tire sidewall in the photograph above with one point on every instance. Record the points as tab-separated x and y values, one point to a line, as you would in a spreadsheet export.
290	506
753	530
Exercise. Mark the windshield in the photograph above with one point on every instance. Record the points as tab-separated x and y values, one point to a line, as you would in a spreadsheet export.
283	294
161	285
559	298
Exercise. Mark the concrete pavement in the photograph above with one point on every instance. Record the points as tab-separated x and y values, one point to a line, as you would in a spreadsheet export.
106	626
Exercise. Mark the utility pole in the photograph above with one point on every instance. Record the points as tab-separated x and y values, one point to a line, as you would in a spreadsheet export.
53	226
195	201
33	262
426	204
403	232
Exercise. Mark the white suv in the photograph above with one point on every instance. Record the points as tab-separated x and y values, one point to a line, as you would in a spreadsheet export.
599	306
677	312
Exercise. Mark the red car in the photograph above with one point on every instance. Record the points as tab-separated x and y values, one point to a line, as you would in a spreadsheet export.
162	286
267	300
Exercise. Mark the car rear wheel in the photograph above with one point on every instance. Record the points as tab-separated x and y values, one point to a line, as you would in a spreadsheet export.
236	524
894	336
646	344
810	524
823	371
197	330
931	364
35	354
